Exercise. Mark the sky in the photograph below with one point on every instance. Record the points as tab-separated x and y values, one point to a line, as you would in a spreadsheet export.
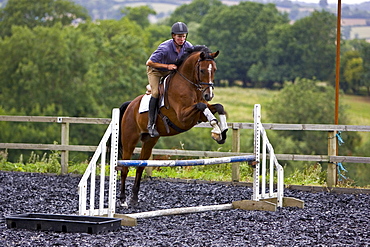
334	1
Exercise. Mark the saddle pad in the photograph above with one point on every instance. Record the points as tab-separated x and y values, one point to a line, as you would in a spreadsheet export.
144	103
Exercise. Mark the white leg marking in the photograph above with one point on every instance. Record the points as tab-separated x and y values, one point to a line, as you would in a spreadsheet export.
223	123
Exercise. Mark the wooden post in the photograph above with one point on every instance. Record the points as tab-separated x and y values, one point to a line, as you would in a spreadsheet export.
65	141
235	169
331	177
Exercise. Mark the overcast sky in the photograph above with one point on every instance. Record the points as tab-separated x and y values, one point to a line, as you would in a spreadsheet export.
334	1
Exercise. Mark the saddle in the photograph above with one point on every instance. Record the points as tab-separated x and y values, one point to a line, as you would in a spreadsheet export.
163	89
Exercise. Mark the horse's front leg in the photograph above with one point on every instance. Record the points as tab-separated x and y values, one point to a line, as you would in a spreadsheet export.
146	152
222	116
218	131
122	197
136	186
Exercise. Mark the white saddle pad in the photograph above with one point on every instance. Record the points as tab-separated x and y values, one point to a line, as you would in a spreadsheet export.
144	104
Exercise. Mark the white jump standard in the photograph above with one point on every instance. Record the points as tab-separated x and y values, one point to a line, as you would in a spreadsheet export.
265	196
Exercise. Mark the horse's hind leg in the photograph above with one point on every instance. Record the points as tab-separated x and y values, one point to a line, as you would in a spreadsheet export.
146	151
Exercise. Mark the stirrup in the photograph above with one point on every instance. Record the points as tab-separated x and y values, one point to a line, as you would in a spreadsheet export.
153	131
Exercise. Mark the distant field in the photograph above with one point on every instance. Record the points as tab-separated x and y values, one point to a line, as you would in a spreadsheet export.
360	32
359	112
239	104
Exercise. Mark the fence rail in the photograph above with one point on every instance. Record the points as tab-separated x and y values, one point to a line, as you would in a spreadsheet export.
64	147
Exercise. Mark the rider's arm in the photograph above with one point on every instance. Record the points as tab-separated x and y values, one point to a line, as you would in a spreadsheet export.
152	64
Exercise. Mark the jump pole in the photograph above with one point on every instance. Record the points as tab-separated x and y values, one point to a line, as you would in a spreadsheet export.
197	162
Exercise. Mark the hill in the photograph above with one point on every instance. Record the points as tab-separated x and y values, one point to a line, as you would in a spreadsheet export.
110	9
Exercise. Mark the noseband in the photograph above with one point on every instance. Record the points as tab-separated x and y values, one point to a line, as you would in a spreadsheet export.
199	83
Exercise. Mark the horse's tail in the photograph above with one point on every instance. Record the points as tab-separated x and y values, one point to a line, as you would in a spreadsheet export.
122	110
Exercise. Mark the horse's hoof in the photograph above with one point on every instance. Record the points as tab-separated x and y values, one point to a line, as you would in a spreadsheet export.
221	142
134	202
223	137
216	137
124	205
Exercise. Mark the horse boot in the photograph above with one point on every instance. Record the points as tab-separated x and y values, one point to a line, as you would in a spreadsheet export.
152	115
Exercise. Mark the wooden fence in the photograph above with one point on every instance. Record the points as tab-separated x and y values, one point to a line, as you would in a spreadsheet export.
331	158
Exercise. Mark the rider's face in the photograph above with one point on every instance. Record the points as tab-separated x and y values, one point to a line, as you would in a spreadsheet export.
179	38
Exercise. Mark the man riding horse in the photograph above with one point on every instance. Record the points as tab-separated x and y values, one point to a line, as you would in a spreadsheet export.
161	63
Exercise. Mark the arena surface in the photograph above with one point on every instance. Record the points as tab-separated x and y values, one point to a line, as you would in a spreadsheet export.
327	219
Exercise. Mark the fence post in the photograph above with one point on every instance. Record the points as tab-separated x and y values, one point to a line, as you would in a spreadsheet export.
65	153
235	168
331	177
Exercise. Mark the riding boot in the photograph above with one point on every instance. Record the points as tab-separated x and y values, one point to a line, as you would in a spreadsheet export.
152	115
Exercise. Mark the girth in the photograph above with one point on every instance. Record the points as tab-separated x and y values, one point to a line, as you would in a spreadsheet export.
168	123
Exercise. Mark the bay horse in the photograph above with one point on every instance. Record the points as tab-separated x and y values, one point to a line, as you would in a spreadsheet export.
188	90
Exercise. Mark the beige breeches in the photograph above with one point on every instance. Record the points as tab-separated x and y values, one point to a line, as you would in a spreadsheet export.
154	76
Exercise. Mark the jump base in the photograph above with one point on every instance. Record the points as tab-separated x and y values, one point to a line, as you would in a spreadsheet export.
63	223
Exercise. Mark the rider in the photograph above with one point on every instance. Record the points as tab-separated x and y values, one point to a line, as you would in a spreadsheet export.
160	64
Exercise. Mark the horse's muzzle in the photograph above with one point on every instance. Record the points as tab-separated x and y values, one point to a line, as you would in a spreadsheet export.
208	91
208	96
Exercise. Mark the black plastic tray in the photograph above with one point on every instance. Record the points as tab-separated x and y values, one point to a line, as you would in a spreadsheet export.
63	223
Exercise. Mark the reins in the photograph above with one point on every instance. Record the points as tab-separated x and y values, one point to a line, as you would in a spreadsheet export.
200	83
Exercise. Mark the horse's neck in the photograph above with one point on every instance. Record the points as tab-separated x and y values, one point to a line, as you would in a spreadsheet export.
182	83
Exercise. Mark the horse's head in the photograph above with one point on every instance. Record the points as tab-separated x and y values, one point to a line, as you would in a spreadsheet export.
205	72
198	67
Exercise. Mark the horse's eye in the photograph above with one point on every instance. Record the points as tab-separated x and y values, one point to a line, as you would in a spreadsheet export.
202	71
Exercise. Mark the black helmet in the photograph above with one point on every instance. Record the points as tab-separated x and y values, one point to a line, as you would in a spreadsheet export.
179	28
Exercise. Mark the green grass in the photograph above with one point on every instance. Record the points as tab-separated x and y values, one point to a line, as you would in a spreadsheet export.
358	111
239	102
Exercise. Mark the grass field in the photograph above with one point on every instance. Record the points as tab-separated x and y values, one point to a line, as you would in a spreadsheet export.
239	103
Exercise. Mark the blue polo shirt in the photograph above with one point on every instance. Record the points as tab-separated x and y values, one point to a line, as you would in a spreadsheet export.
166	52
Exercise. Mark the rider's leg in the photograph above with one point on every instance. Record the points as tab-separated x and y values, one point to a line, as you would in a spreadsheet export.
154	77
153	110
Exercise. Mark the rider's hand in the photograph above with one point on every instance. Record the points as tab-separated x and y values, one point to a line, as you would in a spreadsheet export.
171	66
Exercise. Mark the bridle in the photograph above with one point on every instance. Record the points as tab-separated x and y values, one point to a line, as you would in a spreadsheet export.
200	83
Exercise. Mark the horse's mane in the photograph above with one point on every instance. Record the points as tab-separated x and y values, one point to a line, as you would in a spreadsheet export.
189	51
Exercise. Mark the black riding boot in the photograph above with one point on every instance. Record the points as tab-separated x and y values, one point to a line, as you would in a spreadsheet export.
152	115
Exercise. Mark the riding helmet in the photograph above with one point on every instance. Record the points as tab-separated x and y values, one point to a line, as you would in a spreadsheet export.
179	28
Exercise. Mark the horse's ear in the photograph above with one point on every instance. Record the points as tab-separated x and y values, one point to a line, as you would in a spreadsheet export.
215	54
202	55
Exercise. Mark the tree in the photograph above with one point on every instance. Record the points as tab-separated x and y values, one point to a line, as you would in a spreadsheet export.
194	11
119	70
240	33
365	55
281	59
139	14
305	102
316	35
355	66
305	49
46	66
32	13
353	73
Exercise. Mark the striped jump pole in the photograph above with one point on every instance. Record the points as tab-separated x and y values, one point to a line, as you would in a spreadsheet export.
197	162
